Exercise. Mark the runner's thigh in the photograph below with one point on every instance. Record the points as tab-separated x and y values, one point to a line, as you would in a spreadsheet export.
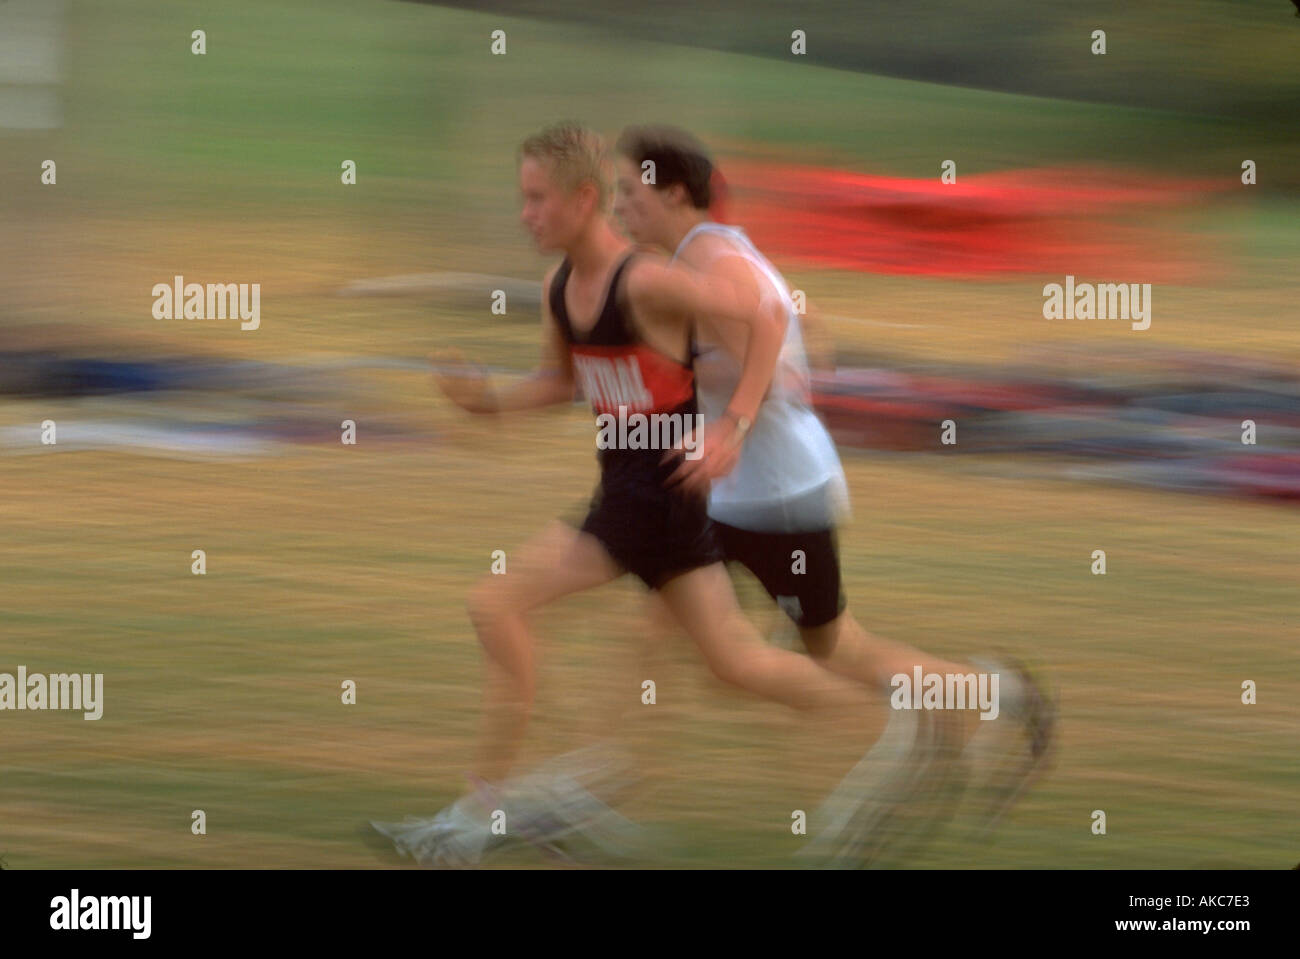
558	562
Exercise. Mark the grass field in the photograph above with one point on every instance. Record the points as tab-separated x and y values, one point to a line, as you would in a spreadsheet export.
334	563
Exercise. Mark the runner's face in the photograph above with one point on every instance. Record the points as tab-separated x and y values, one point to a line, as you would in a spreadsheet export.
552	214
639	206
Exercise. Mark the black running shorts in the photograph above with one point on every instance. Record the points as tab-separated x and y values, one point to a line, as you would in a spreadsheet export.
801	571
653	533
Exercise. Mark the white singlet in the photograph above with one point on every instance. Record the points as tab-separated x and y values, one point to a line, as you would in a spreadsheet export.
789	478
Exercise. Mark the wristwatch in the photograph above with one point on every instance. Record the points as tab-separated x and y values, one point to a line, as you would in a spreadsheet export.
742	427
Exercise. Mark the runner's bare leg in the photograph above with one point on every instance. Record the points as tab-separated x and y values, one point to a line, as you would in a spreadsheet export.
703	603
558	562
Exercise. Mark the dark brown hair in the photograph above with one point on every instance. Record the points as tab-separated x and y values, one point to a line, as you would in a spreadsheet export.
677	156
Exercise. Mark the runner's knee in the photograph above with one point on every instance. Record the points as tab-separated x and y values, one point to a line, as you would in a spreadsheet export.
490	602
730	669
731	658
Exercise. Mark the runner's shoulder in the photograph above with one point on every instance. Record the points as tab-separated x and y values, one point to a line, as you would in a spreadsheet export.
707	246
645	273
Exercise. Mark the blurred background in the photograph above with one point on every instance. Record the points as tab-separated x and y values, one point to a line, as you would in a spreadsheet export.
328	562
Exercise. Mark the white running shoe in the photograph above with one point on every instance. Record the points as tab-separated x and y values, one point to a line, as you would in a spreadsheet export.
901	790
555	808
456	838
562	807
1012	752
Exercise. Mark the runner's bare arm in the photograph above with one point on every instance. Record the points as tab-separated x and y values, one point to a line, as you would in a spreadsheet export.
549	384
729	294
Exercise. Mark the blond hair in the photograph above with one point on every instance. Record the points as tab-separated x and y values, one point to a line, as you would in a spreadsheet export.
576	154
